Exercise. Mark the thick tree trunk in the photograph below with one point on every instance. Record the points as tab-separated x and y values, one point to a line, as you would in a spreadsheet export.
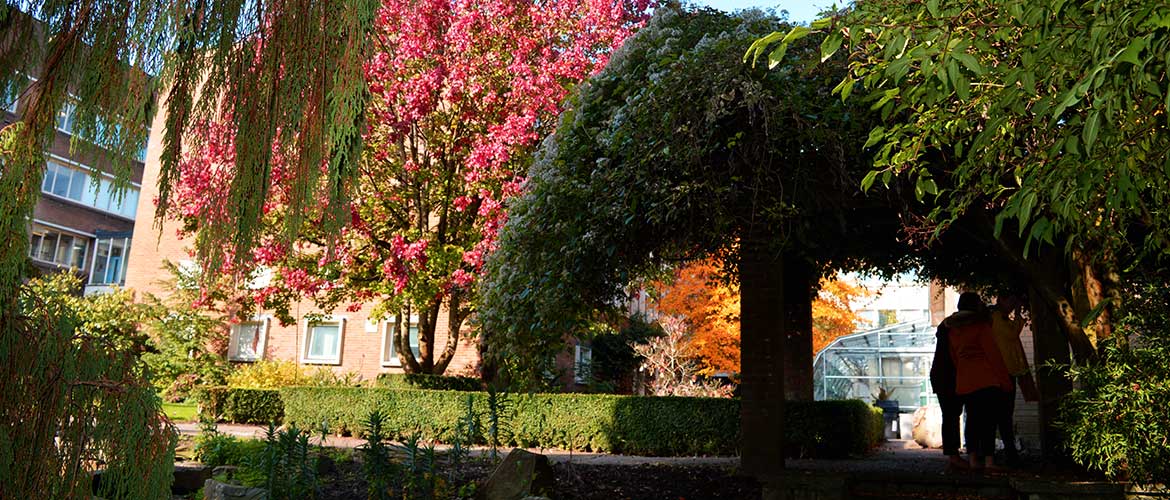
762	363
799	280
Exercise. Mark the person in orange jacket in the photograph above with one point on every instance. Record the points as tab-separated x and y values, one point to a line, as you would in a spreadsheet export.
981	378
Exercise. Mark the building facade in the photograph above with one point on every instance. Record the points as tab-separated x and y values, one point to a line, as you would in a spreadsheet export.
80	224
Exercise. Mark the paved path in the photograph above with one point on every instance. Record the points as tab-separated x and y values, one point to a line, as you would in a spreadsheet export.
897	455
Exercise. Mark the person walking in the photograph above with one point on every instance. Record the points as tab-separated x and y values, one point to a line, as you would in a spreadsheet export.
942	382
981	379
1006	330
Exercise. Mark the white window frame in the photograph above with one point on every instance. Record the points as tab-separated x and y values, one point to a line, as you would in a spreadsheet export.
104	181
578	362
306	344
126	242
395	360
234	339
61	231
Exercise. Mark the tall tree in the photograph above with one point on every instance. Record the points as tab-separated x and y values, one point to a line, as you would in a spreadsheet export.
460	94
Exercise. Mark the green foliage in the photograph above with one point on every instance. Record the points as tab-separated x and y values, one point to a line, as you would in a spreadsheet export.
418	468
994	105
274	374
181	358
287	465
676	151
429	381
831	428
1115	418
376	458
656	426
74	389
242	406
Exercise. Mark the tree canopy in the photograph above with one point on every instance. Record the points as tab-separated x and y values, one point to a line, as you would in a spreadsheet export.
673	152
1045	121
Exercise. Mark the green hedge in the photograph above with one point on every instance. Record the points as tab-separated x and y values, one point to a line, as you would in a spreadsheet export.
429	381
241	406
635	425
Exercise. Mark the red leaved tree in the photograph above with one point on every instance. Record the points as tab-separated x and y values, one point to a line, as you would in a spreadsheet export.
461	92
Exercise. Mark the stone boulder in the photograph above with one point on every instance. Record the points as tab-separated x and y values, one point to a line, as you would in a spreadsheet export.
928	426
522	474
215	490
189	478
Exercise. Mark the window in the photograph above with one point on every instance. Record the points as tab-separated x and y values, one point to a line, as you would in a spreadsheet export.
582	364
76	184
109	261
67	118
56	247
887	317
247	340
389	353
323	341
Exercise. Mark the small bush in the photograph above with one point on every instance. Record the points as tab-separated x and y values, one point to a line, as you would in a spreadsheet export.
242	406
1116	418
657	426
274	374
429	381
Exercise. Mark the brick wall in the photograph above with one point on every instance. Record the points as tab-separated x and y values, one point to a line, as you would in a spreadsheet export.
361	350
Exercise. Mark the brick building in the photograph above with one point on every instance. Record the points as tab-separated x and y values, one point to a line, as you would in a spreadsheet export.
80	223
343	341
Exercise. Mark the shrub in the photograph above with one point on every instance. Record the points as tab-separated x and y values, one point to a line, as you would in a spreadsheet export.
242	406
1116	418
660	426
265	374
429	381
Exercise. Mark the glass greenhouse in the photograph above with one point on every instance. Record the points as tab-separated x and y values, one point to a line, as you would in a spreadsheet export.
895	358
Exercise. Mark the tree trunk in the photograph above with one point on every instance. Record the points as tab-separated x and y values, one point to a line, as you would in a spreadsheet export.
799	280
762	363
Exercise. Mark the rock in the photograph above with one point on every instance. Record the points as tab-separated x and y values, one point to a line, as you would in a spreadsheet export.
215	490
189	478
928	426
521	475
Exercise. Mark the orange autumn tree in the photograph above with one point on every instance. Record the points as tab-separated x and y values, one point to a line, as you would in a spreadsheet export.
710	311
832	316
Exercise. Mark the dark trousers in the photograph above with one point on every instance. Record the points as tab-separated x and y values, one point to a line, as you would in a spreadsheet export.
1005	422
952	410
983	409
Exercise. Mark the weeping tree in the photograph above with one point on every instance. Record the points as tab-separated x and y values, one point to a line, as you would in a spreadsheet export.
677	151
283	72
76	399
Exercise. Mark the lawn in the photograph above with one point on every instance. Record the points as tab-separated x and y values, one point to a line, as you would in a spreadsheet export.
180	412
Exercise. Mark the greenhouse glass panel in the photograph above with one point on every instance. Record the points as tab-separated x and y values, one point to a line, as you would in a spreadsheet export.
895	358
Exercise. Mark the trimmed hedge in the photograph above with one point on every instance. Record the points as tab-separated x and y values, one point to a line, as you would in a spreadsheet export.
429	381
635	425
241	406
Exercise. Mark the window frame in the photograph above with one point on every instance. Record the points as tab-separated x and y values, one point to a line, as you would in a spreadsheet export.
265	323
578	377
394	361
307	340
124	258
41	231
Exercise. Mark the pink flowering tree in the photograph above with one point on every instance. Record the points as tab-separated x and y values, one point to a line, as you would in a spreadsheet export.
461	93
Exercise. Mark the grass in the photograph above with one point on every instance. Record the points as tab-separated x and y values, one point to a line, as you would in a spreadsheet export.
180	412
